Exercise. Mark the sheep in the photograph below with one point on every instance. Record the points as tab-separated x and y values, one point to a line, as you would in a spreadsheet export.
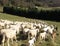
54	28
5	23
17	22
8	22
2	24
9	34
25	30
43	35
30	27
32	41
33	33
1	20
51	30
16	27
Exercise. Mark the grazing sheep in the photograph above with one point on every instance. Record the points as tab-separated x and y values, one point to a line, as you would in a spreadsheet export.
25	30
32	41
43	35
10	29
54	28
16	27
2	24
9	34
33	33
8	22
51	30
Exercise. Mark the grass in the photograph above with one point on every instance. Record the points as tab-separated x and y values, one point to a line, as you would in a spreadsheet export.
47	8
1	9
22	42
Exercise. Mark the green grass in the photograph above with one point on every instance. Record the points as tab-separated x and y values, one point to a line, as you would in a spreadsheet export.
1	9
47	8
45	43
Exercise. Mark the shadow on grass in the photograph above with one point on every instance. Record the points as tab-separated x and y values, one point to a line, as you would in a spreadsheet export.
22	36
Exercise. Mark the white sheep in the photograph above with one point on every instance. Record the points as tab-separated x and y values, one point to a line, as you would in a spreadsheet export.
8	22
16	27
33	32
26	30
43	35
9	34
32	41
2	24
50	30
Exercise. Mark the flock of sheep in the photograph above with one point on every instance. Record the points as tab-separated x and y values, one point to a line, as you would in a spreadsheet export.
10	29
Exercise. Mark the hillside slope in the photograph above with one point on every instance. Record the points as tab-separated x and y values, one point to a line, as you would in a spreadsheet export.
31	3
22	42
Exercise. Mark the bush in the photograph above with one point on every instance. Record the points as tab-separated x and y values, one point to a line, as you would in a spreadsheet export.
34	13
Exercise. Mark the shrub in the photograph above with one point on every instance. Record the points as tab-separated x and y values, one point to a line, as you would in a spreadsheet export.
34	13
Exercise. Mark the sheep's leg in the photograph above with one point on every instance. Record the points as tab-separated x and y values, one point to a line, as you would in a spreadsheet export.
16	38
3	39
12	40
44	38
8	42
33	44
28	36
54	35
40	39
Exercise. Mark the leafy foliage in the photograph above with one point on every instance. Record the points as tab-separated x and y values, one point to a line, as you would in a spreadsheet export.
45	14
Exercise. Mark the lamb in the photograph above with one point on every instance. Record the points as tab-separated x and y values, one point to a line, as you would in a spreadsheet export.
32	41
